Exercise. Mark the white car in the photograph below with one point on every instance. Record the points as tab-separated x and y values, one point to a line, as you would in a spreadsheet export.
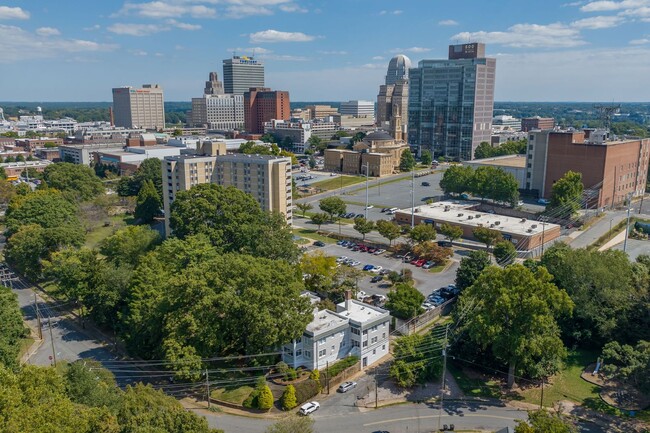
308	408
370	206
361	294
341	259
346	386
378	252
376	269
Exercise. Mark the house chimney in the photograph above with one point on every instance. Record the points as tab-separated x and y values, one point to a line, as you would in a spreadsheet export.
348	300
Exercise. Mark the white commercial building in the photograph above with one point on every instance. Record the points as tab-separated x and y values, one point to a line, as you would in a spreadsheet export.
223	112
300	131
358	108
355	329
504	122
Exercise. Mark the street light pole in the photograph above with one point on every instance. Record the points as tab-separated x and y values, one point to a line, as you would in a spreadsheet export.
413	197
366	211
627	225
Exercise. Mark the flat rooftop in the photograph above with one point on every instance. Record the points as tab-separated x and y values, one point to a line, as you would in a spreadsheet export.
516	161
325	320
460	213
360	312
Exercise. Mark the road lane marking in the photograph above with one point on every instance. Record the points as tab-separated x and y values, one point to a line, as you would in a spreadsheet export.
413	418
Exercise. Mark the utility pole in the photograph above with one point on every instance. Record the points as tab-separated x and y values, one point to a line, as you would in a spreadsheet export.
38	317
444	373
627	225
541	400
367	170
376	390
49	325
543	230
327	376
207	387
413	197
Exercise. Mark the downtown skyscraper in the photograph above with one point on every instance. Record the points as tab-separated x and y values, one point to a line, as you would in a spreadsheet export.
451	102
240	73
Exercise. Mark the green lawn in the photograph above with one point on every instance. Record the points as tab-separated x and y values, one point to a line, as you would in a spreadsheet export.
232	395
567	384
474	387
311	234
95	236
336	182
437	269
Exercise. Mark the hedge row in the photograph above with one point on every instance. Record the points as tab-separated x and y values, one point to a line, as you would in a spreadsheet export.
335	369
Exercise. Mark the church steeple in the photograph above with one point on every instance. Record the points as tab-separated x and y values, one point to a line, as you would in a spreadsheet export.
396	123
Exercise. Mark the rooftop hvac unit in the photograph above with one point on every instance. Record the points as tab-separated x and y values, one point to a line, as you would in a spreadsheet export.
496	223
478	216
469	217
417	209
460	214
523	220
491	225
534	226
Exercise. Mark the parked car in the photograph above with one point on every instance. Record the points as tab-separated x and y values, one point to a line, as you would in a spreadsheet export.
379	251
360	215
371	250
384	209
368	267
543	201
426	184
346	386
376	269
361	294
420	263
437	301
428	265
341	259
341	242
319	243
376	278
379	299
370	206
384	272
464	196
308	408
427	306
355	263
446	244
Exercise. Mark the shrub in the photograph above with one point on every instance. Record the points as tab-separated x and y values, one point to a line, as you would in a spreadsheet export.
282	367
306	390
292	374
288	399
336	368
251	400
265	398
315	376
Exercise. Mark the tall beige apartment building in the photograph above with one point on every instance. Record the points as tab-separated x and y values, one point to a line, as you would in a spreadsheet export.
142	108
266	178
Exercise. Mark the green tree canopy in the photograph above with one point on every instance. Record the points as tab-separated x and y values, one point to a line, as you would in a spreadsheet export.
304	208
126	246
388	229
148	204
514	313
415	359
75	179
241	304
566	194
486	236
233	221
149	169
504	252
46	208
319	219
456	179
542	421
318	271
452	232
13	329
405	301
426	158
628	363
471	267
332	206
407	161
288	400
293	424
363	226
422	233
601	286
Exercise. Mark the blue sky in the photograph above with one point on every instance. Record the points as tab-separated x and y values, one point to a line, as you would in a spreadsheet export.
547	50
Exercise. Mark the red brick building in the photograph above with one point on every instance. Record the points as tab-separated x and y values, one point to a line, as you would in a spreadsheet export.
261	105
530	123
616	167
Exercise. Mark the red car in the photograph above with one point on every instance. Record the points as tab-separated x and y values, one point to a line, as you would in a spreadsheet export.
414	261
420	263
371	250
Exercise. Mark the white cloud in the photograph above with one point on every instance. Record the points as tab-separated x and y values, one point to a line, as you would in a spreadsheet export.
448	23
47	31
17	44
373	66
334	53
250	50
268	36
292	7
139	53
602	6
379	58
91	28
8	13
599	22
411	50
528	36
241	11
395	12
183	26
160	9
136	29
640	41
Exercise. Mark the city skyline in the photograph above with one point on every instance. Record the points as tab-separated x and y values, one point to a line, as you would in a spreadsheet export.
580	51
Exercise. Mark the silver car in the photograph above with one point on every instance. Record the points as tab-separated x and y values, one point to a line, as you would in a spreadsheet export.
346	386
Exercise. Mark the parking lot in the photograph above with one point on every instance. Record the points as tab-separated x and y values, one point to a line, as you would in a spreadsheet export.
391	194
425	281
